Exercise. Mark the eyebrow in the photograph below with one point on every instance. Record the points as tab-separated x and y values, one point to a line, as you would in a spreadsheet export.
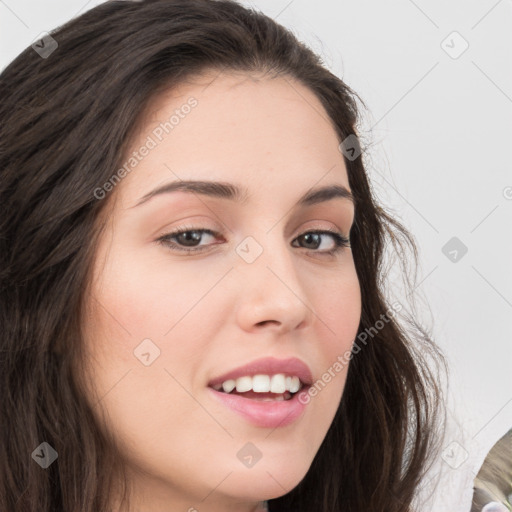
224	190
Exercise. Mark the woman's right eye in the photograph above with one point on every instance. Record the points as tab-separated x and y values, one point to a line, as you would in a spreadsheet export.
183	235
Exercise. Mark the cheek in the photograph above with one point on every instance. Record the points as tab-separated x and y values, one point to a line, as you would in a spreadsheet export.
138	308
154	306
148	298
338	308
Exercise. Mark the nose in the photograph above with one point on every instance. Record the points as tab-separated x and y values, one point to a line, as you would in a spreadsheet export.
270	293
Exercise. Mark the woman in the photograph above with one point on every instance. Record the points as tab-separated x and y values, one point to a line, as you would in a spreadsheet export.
193	288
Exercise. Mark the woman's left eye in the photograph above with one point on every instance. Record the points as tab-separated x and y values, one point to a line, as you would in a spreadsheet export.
185	240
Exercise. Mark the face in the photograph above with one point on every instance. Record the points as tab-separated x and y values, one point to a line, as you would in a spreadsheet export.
165	324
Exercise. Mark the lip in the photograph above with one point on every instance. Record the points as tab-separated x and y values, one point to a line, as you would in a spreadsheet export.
268	366
264	414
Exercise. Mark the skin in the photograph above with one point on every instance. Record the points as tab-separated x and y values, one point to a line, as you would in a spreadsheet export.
211	312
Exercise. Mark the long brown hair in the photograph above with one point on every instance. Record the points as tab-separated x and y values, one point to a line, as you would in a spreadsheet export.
67	120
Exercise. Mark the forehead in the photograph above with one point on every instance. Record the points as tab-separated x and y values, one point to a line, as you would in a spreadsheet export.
256	130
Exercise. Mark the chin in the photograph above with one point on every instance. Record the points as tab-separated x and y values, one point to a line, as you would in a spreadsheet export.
267	481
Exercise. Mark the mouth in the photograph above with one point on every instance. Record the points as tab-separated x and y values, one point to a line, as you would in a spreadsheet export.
267	392
263	388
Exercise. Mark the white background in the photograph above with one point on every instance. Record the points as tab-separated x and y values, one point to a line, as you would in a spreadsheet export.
440	128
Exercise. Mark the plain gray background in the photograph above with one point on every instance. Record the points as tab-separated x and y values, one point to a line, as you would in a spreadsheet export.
439	123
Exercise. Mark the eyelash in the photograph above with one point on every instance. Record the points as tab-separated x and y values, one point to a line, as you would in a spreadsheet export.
340	241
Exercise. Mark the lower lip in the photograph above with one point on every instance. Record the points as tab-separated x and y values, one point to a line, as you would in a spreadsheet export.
270	414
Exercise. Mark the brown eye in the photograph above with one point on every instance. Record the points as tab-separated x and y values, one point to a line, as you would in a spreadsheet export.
314	238
186	239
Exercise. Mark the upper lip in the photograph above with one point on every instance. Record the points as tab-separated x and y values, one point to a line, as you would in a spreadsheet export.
268	366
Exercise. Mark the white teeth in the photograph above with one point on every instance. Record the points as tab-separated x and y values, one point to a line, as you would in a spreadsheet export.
294	385
243	384
277	383
260	383
228	385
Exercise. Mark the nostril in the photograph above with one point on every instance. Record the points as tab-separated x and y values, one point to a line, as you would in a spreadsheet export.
264	322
